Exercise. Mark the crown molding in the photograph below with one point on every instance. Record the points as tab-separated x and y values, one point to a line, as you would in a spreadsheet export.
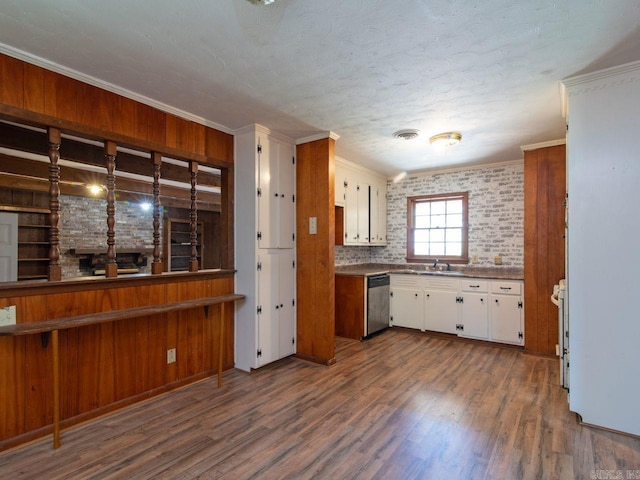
601	74
110	87
550	143
317	136
478	166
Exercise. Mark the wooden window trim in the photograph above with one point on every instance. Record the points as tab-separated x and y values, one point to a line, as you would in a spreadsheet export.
411	202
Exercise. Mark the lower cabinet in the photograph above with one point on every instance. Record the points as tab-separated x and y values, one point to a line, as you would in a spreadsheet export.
406	305
475	308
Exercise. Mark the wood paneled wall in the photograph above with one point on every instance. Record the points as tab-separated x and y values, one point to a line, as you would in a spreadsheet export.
315	171
34	89
113	364
108	365
544	244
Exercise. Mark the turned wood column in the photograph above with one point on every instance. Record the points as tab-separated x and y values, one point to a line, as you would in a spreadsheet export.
156	265
193	217
55	270
111	268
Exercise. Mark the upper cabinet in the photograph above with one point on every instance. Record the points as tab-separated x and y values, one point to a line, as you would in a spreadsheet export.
276	197
363	195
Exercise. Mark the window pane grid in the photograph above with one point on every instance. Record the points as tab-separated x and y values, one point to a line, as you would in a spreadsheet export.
439	227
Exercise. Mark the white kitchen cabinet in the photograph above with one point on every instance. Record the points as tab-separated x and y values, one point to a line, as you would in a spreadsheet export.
276	306
340	194
483	309
474	309
362	193
406	308
378	213
440	311
506	312
265	321
276	200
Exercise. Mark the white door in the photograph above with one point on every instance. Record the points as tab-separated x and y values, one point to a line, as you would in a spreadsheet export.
441	311
287	308
286	177
474	316
506	319
8	247
406	307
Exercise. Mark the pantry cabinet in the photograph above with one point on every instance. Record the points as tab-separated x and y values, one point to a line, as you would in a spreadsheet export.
265	328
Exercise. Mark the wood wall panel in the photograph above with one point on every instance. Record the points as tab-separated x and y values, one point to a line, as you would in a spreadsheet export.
33	88
11	82
545	187
350	314
60	94
219	145
315	253
111	362
94	108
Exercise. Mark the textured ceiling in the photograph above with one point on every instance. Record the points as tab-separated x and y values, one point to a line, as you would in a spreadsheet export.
360	68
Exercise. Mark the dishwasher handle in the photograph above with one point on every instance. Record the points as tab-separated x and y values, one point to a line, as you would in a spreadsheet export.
378	281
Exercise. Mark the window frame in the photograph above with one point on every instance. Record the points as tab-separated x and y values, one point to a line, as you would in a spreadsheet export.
411	204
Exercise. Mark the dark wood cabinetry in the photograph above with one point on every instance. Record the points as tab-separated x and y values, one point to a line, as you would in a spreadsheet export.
177	244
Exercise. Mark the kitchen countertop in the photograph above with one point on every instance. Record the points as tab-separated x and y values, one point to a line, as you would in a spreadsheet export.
457	271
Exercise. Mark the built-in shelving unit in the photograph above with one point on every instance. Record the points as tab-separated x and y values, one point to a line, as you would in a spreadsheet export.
177	244
33	243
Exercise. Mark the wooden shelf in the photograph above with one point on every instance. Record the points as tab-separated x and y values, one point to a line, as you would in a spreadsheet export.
175	232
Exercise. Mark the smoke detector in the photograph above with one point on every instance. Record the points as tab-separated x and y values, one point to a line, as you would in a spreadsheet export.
407	134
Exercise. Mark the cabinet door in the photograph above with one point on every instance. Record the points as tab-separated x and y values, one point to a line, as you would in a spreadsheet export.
406	307
441	311
351	212
287	308
506	319
374	214
474	316
363	213
340	186
269	197
286	189
269	306
382	215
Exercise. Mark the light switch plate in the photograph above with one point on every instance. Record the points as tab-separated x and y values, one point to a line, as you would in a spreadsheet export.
8	315
313	225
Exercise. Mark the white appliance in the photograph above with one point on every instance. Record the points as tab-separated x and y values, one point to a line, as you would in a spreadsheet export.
562	350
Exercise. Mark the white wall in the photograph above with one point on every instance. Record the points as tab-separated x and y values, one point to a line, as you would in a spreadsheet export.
603	175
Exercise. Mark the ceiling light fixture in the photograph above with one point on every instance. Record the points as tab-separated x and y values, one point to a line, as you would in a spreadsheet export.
447	139
261	2
407	134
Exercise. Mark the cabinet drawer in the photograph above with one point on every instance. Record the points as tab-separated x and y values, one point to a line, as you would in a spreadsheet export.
442	283
506	288
474	285
412	281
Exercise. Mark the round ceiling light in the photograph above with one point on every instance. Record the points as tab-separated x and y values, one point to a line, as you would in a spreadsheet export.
445	139
408	134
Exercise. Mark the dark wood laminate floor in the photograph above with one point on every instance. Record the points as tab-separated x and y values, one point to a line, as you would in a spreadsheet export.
399	406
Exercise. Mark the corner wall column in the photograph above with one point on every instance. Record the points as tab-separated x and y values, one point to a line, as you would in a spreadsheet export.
111	268
315	172
55	270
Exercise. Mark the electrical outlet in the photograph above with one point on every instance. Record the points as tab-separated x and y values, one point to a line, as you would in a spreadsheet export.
497	260
474	258
8	315
313	225
171	355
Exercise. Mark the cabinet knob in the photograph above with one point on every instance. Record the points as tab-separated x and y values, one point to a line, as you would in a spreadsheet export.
282	195
275	195
277	307
496	300
416	294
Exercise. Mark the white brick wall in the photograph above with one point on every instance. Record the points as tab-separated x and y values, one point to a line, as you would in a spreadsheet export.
496	214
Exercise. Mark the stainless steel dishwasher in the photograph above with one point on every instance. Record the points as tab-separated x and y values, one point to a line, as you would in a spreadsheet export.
377	303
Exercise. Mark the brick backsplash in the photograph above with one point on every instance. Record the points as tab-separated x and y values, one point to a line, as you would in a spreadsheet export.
83	224
496	214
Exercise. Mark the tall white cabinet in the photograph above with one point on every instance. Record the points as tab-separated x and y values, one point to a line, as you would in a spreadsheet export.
265	328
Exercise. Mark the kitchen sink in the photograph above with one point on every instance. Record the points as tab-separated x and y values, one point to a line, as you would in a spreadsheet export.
426	272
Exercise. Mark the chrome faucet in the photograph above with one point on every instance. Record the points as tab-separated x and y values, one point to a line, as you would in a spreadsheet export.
435	264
